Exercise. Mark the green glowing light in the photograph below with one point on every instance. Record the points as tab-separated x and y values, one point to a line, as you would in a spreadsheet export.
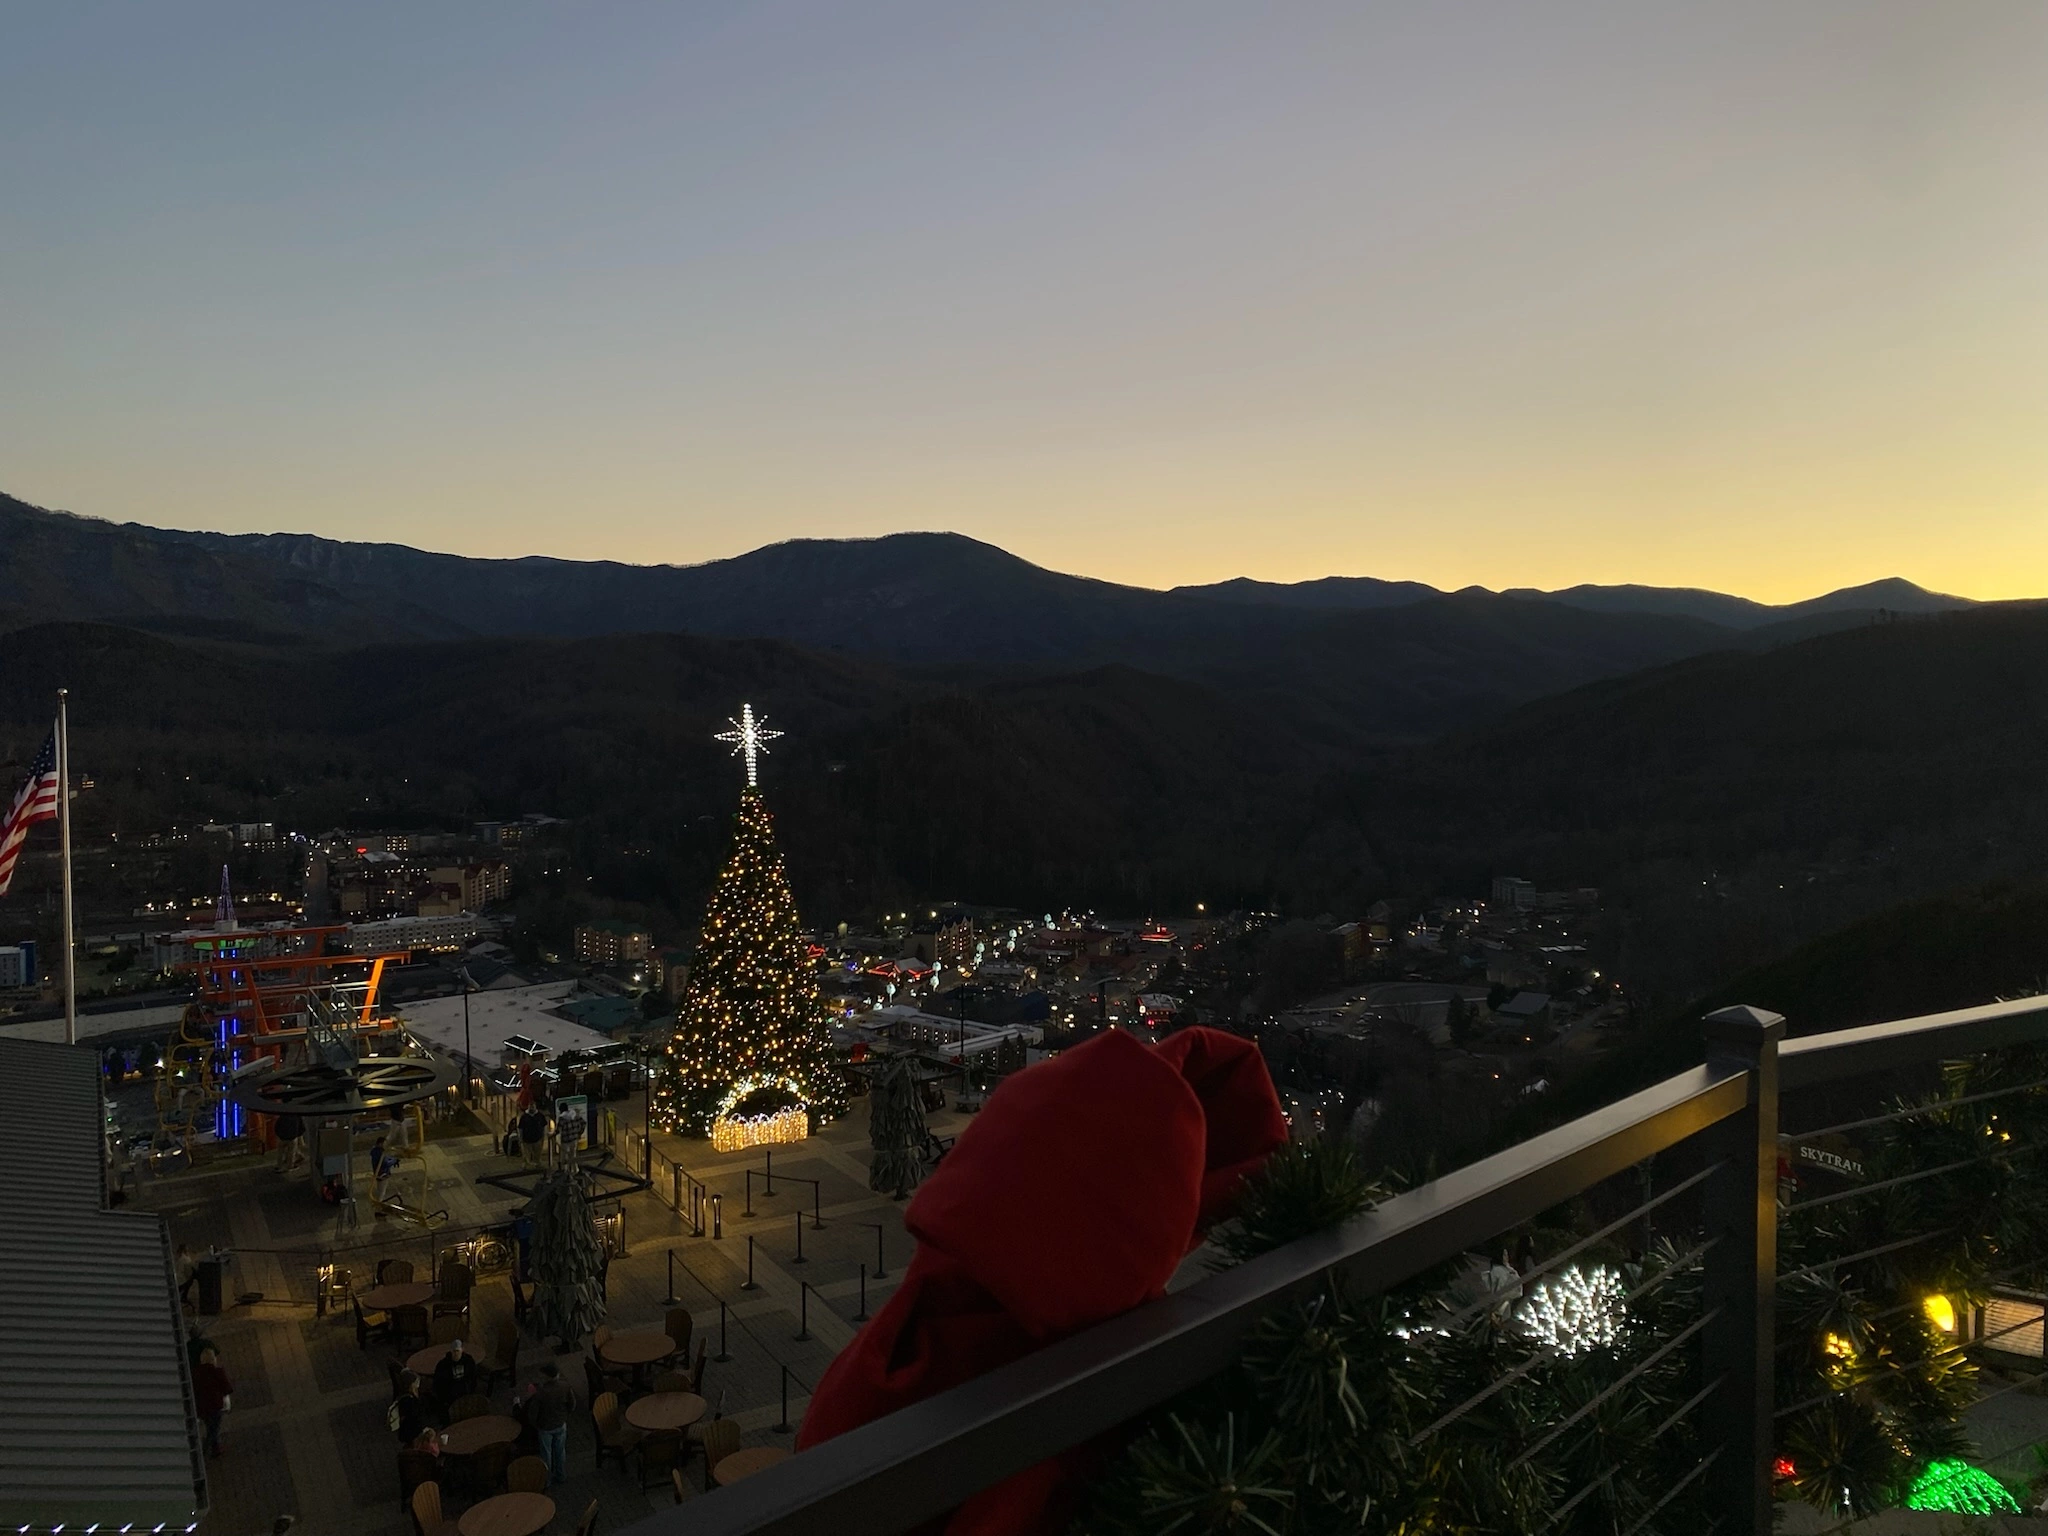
1961	1489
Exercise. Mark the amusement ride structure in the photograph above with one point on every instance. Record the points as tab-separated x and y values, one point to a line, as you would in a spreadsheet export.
285	1023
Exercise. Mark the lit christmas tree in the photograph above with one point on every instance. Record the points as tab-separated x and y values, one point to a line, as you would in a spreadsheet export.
751	1060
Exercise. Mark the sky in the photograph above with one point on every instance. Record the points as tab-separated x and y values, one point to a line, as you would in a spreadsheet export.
1750	296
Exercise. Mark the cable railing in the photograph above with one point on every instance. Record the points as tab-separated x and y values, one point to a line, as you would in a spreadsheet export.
1877	1268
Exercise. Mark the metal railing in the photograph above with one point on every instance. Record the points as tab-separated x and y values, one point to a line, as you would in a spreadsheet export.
902	1470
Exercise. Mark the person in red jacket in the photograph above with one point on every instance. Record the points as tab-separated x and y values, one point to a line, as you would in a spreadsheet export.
1074	1196
210	1390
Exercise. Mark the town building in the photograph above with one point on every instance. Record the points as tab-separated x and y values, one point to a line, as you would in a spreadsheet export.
608	941
441	933
942	942
671	971
17	966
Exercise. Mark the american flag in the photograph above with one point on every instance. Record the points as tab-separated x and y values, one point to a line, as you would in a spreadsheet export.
36	802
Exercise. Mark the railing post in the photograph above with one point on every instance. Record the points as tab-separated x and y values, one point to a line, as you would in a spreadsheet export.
1741	1273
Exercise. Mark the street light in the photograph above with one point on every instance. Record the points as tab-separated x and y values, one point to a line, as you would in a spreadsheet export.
468	1060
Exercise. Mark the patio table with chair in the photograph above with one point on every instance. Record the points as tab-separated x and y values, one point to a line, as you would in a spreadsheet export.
391	1295
507	1514
421	1362
745	1463
665	1411
465	1437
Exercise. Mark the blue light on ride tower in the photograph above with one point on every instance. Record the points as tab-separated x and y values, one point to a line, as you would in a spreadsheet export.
228	1118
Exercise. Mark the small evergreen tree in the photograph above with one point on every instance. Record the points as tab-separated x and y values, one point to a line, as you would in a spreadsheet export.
751	1035
896	1128
568	1259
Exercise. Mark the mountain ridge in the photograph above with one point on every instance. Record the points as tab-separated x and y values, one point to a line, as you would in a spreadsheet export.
561	596
1889	594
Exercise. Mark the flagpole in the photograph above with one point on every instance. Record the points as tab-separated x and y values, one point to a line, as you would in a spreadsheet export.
64	837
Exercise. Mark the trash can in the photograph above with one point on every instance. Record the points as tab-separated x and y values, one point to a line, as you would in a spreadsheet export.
212	1272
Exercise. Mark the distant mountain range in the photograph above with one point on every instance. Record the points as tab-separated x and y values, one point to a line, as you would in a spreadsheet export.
1358	658
1737	778
1894	594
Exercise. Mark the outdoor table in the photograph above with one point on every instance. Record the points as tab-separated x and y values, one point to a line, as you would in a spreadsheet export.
421	1362
637	1349
507	1514
659	1411
405	1293
746	1463
465	1437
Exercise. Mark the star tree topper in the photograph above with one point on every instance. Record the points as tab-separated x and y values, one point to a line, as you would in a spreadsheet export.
750	738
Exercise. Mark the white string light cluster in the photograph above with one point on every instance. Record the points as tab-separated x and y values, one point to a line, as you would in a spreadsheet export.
1577	1310
731	1133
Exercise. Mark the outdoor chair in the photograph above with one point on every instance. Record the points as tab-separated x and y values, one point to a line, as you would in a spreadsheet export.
370	1325
697	1370
427	1518
443	1330
615	1437
587	1526
599	1337
394	1271
473	1406
672	1381
596	1382
504	1357
409	1326
720	1439
414	1468
659	1456
679	1327
452	1297
487	1470
529	1474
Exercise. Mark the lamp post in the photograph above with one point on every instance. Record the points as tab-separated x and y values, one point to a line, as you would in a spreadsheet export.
468	1060
647	1101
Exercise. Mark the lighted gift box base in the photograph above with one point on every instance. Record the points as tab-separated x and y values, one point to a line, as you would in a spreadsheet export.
731	1133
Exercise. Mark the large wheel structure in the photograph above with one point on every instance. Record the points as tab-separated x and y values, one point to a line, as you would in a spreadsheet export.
367	1086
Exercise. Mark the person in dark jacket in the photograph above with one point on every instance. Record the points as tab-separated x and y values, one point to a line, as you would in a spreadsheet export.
457	1375
533	1135
407	1415
549	1404
210	1393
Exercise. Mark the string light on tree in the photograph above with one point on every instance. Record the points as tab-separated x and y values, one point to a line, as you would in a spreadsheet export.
1575	1311
751	1060
1959	1488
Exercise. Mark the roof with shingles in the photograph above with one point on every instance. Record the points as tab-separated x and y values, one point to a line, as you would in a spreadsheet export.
96	1418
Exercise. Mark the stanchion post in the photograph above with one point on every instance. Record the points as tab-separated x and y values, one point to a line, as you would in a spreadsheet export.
717	1217
803	1313
749	1284
768	1153
723	1354
671	1298
880	1272
817	1205
782	1428
862	1315
799	1259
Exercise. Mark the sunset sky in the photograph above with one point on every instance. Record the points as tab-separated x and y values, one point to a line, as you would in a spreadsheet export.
1748	296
